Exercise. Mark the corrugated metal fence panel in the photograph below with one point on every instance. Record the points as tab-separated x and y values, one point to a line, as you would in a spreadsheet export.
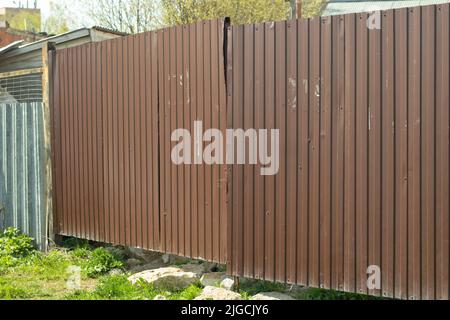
106	153
192	88
363	115
22	182
364	152
115	106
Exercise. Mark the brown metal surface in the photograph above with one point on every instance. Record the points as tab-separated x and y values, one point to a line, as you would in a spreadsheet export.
192	88
116	104
363	115
106	153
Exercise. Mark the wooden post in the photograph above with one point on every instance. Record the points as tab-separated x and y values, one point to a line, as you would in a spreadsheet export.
299	9
48	204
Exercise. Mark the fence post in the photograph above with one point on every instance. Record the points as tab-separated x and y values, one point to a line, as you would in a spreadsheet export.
47	46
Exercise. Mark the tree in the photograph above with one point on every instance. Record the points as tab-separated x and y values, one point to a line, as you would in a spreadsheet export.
176	12
312	8
131	16
60	19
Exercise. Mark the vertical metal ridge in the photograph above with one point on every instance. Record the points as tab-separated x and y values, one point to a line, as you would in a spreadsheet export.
22	184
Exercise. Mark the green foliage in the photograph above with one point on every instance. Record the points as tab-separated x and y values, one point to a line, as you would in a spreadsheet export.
29	274
75	243
118	287
312	8
245	295
101	261
131	16
35	276
60	19
21	19
115	287
118	252
324	294
81	253
6	262
191	292
15	244
252	287
175	12
8	292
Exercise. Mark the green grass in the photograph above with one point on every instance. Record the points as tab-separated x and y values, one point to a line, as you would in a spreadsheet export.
26	273
250	288
39	276
119	288
324	294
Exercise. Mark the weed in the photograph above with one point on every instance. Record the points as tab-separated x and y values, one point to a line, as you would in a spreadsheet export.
81	253
74	243
8	292
115	288
189	293
100	262
245	295
251	287
325	294
15	244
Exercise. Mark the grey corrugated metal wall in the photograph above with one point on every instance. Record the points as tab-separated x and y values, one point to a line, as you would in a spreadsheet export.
22	178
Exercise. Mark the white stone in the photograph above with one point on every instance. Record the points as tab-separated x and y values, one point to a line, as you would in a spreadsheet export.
215	293
169	278
212	279
165	258
159	297
227	283
271	296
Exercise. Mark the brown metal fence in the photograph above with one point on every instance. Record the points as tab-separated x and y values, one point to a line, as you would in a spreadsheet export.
106	141
363	115
115	106
364	152
192	88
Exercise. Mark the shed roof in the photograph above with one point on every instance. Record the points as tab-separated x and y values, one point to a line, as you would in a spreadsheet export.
334	7
28	56
58	39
